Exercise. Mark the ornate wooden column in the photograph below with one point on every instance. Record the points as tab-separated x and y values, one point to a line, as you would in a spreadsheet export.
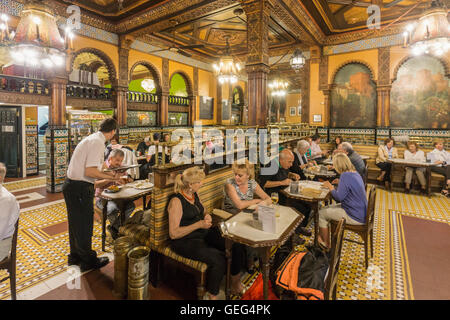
121	84
384	88
193	99
57	112
163	110
305	85
325	87
219	103
327	106
57	133
258	15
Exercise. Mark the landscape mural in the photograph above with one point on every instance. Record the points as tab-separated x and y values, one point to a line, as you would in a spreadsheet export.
420	95
353	98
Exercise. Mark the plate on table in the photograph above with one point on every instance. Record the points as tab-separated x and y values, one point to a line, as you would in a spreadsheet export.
144	185
112	189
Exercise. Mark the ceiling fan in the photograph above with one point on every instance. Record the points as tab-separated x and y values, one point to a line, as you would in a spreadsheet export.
179	49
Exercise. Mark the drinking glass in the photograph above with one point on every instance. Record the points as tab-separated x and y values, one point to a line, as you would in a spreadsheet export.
274	197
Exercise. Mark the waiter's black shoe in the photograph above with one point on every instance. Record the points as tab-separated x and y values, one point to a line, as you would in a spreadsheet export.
73	260
99	263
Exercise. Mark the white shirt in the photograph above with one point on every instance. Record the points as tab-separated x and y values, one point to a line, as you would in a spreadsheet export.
9	213
418	156
128	160
437	155
316	152
152	150
88	153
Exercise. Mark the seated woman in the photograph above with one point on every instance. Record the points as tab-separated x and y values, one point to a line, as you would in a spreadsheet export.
442	158
413	153
337	141
240	190
388	151
316	153
350	193
114	144
193	236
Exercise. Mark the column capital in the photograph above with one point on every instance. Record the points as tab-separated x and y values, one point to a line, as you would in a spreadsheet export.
125	41
257	68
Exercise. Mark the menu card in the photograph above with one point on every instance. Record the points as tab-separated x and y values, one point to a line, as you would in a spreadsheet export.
266	214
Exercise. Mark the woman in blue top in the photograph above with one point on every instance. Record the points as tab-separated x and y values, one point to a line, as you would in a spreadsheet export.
350	193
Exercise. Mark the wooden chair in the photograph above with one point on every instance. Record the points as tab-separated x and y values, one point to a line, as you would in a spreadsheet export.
9	263
100	217
335	258
366	175
366	231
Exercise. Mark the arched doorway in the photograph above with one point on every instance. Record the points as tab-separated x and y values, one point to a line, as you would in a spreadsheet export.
144	93
179	99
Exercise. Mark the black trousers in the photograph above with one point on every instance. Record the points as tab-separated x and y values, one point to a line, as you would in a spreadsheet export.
385	166
211	250
79	197
445	171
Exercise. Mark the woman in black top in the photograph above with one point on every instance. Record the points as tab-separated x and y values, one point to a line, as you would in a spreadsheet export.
192	235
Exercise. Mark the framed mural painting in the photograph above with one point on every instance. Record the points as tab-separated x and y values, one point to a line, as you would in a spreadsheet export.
420	95
353	98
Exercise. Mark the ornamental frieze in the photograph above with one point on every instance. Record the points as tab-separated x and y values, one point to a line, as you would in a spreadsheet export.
25	98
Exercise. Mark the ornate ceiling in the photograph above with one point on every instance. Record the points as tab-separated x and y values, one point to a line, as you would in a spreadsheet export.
292	23
115	10
339	16
213	30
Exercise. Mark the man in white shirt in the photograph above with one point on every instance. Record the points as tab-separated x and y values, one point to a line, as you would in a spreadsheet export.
442	158
84	168
9	214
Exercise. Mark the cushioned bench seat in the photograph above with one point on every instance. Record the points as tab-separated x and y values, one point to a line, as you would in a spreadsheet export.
156	235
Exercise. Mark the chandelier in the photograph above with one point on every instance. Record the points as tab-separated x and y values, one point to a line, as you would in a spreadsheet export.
36	42
227	70
430	35
148	85
298	60
278	87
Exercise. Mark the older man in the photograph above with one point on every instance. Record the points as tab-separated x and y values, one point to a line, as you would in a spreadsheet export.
115	160
354	157
143	146
9	214
282	179
300	160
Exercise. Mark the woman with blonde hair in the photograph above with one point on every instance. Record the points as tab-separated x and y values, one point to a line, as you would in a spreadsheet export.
239	191
350	193
193	236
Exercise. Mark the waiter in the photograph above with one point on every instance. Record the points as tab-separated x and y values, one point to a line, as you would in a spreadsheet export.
84	169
